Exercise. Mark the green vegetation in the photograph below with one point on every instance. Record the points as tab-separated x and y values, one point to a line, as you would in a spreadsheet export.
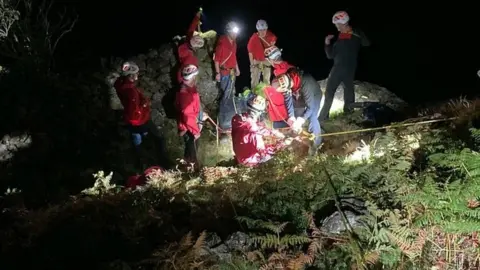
421	186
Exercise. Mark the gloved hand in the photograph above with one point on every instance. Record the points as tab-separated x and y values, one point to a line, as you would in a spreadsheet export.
205	116
217	77
288	141
290	121
278	134
328	39
297	125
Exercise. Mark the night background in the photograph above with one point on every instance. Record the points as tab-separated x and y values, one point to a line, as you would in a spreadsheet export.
420	53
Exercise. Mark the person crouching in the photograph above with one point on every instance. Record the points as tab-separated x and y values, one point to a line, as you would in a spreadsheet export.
302	93
247	135
190	115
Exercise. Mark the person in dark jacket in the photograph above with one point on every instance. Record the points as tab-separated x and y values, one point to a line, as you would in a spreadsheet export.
304	100
136	112
344	52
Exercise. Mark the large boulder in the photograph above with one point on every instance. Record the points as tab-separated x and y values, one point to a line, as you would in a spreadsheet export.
365	92
157	77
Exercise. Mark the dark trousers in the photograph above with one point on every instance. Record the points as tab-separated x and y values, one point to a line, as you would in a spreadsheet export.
339	75
227	106
139	132
191	147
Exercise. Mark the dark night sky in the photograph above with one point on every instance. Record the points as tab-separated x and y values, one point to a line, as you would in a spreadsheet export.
421	55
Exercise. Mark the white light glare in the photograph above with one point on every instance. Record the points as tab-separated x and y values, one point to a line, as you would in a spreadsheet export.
235	30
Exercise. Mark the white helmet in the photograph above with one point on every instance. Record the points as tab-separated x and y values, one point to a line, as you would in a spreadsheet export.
262	25
189	72
282	83
257	104
340	17
273	53
129	68
197	41
232	28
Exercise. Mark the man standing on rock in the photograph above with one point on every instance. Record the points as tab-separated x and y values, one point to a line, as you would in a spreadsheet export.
344	53
226	70
136	112
257	45
190	113
186	51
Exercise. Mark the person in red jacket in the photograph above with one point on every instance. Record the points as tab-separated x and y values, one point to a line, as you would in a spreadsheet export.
274	56
190	114
136	112
276	108
186	51
226	68
247	135
257	44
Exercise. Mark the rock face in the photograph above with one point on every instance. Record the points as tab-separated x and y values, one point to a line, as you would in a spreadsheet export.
157	78
364	92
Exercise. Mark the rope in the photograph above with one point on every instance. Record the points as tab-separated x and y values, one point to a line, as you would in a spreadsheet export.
381	128
232	87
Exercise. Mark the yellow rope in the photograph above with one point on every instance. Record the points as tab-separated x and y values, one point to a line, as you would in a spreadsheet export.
386	127
312	136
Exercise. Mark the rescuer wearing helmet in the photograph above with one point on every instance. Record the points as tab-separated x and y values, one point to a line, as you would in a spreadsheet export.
190	114
226	69
137	111
344	52
257	44
247	135
303	96
186	51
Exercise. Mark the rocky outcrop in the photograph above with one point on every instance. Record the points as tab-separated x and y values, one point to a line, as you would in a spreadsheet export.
366	92
157	77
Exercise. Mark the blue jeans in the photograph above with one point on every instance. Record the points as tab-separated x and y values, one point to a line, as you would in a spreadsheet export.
226	108
279	124
138	132
314	126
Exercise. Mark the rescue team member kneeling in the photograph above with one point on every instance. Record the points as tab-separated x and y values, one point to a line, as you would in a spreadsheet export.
186	51
248	132
226	68
137	112
344	53
307	96
190	114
